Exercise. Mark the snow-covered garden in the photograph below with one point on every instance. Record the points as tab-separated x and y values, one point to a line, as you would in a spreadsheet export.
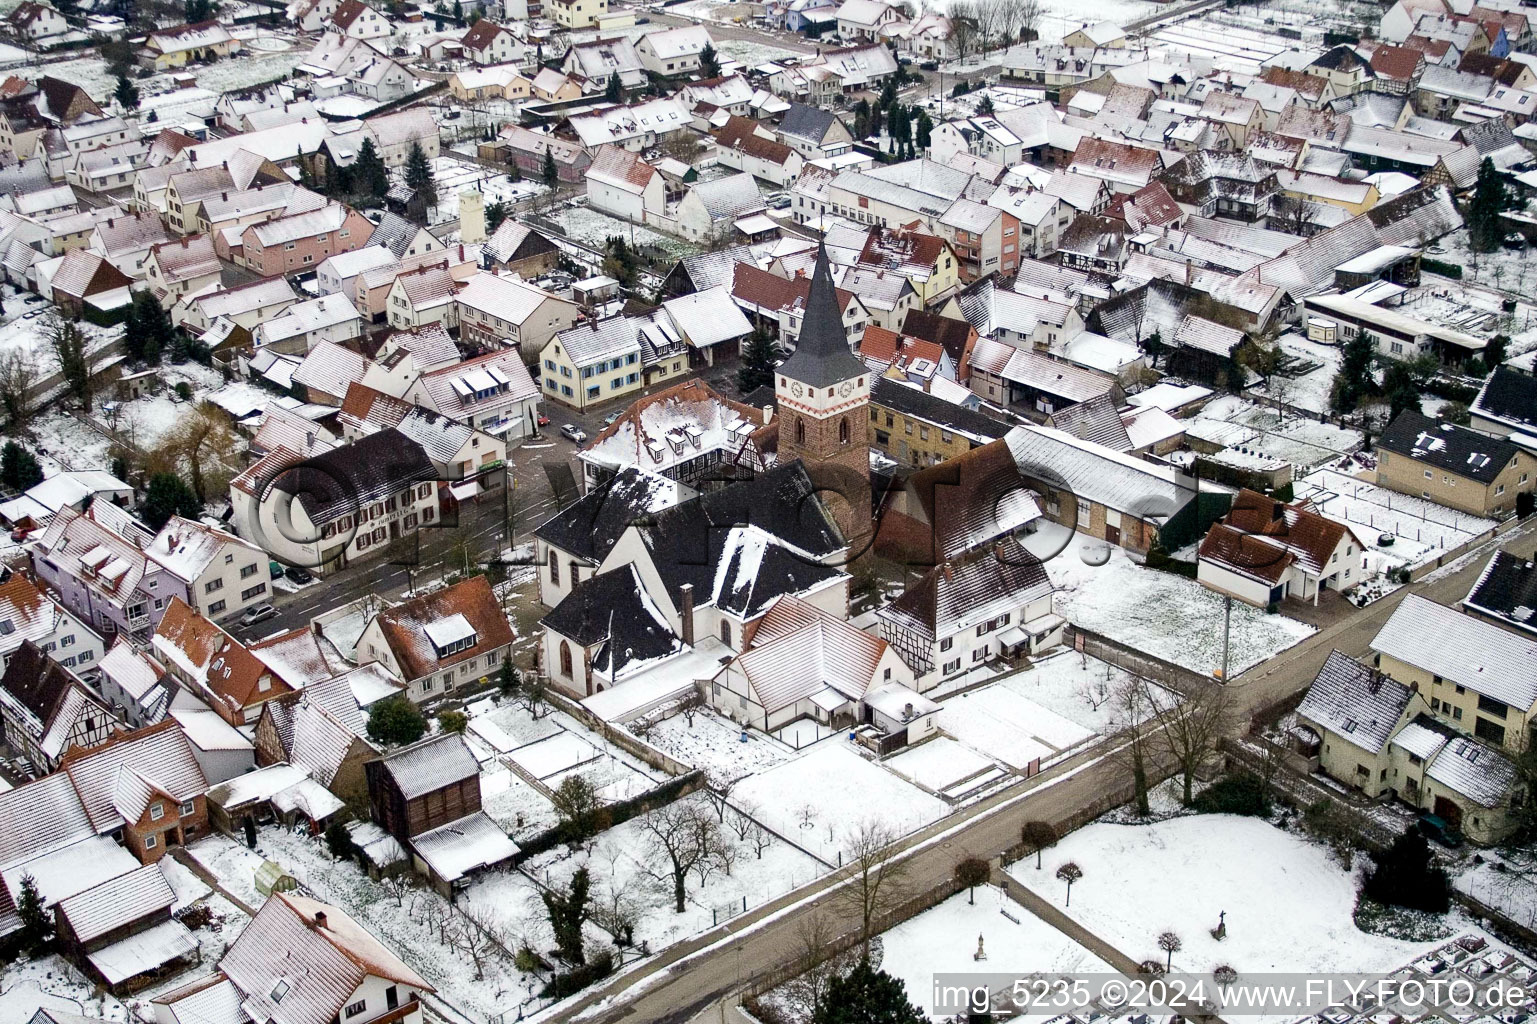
1171	617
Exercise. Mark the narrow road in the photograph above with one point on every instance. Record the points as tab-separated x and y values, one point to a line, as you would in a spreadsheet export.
691	976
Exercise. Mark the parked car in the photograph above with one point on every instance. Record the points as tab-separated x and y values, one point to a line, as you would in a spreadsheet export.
257	613
572	432
298	575
1440	830
544	420
276	569
608	421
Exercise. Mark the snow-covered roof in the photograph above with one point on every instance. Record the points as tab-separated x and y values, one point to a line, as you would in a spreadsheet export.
430	765
1475	770
1488	660
117	902
708	317
1356	703
185	547
459	847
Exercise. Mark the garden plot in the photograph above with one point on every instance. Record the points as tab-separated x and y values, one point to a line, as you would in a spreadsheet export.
1077	687
1306	443
233	865
1313	367
1161	614
511	726
624	865
820	800
1423	530
53	983
944	939
714	744
594	228
553	755
1009	727
942	764
518	808
1289	904
411	927
753	52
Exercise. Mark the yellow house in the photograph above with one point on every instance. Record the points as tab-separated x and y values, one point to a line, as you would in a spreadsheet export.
917	429
574	14
1453	466
493	83
598	362
1355	197
176	47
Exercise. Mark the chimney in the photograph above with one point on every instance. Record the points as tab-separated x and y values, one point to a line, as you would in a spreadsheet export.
1189	270
320	919
686	613
768	413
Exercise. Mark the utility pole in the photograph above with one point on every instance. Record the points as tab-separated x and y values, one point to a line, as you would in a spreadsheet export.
1227	633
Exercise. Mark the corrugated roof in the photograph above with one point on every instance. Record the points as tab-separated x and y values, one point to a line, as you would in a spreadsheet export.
1486	659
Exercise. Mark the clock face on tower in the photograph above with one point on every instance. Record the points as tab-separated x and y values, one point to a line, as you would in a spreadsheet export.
846	388
797	390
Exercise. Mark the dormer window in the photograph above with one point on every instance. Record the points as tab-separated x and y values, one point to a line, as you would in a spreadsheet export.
451	635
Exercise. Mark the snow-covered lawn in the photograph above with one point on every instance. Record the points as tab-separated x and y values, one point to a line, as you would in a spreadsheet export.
943	940
517	807
939	763
55	984
1309	388
455	176
1165	615
245	69
1289	904
820	799
751	52
1009	726
623	863
714	744
1423	529
593	228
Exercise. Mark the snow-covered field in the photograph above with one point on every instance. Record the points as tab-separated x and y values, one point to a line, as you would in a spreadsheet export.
1289	904
455	176
1009	726
944	939
821	799
1167	616
1424	530
245	69
55	984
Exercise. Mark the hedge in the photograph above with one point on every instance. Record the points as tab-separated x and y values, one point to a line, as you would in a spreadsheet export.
573	981
618	813
1452	270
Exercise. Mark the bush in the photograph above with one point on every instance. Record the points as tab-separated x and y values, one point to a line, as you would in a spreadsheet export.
453	721
1285	493
573	981
1240	793
396	720
184	391
1407	876
339	841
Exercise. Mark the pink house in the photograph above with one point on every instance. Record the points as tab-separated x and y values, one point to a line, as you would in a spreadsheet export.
289	245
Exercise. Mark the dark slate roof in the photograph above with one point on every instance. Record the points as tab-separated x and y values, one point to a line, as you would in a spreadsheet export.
590	527
921	405
807	122
690	541
611	610
1355	702
1507	590
1341	58
970	590
945	331
36	681
1447	446
393	232
1096	420
337	482
822	356
1510	395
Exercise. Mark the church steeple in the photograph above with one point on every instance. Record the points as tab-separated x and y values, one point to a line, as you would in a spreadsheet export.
823	389
822	355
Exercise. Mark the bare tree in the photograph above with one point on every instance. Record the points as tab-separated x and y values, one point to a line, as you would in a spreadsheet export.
816	966
1027	19
878	882
718	785
1069	873
761	839
963	27
990	20
198	441
1170	944
1291	214
1131	717
679	836
1190	729
18	379
474	938
395	885
726	853
742	822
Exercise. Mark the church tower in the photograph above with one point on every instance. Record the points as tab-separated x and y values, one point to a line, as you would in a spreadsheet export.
822	395
823	390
